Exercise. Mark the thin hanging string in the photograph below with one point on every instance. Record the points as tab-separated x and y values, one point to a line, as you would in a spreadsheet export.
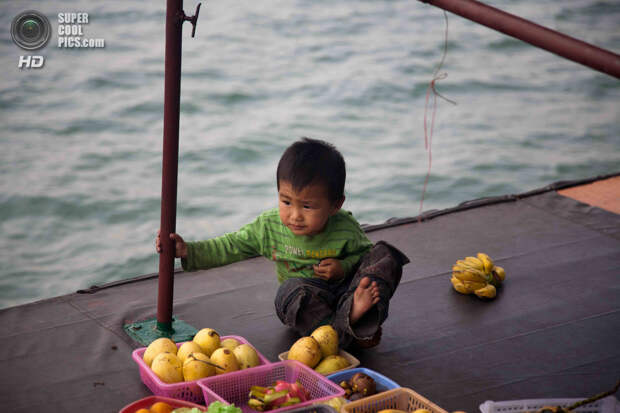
428	132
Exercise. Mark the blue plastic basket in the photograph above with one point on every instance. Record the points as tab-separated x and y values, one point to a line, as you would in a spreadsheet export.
382	382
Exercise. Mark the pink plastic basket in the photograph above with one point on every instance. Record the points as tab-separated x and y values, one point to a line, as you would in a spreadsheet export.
234	388
187	390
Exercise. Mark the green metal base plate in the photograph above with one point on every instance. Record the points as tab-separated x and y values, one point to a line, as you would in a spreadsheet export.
144	332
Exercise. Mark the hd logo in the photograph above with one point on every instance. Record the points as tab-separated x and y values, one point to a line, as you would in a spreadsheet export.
28	62
31	30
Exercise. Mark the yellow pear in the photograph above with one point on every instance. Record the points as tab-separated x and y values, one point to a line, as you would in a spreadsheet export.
246	356
168	367
160	345
225	360
197	366
229	343
306	350
331	364
208	339
327	338
186	349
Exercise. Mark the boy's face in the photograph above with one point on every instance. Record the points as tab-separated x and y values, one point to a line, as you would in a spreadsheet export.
305	212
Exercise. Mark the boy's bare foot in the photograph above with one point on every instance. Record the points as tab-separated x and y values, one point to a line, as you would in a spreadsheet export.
365	296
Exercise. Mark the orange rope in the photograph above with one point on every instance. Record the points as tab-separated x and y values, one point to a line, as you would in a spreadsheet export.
428	134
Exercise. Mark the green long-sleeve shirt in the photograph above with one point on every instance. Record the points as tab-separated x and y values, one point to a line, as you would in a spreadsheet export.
342	238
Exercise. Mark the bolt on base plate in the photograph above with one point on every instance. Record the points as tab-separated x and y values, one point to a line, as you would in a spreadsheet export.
145	332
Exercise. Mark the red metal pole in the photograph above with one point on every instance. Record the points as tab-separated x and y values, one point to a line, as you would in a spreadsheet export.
534	34
172	98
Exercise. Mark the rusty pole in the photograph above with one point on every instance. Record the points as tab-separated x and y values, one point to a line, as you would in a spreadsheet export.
534	34
172	98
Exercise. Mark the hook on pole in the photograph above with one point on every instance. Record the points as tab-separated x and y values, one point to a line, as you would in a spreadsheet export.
193	19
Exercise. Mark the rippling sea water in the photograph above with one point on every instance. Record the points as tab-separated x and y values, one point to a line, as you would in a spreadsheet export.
81	138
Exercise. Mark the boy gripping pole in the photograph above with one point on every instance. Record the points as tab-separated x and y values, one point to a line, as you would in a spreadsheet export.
329	271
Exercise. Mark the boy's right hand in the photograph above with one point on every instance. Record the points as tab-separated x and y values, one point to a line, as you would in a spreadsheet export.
180	245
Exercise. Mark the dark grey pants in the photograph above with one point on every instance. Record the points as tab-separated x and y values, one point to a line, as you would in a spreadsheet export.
306	303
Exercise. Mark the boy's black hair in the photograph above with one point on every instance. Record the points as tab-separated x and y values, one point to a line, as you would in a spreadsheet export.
312	161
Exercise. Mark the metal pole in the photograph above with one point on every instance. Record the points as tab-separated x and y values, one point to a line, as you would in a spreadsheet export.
172	98
534	34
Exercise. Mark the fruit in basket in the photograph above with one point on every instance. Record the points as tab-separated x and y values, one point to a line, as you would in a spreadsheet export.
306	350
281	394
363	383
197	366
225	360
208	339
168	368
230	343
355	396
392	411
358	386
421	411
188	410
335	402
161	407
331	364
246	356
327	338
186	349
160	345
219	407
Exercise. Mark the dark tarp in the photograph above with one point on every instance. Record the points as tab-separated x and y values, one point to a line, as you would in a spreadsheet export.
552	332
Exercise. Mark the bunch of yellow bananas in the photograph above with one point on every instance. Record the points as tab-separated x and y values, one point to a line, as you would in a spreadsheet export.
477	275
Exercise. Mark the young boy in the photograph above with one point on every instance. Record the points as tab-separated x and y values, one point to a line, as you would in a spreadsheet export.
329	271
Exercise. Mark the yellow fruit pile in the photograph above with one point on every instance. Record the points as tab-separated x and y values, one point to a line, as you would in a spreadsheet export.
319	351
477	275
204	356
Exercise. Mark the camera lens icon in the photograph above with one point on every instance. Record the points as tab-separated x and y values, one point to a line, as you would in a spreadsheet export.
31	30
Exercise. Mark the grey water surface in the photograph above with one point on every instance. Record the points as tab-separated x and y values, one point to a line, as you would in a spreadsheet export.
81	138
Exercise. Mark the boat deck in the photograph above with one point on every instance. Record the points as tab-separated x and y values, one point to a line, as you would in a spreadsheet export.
553	331
604	194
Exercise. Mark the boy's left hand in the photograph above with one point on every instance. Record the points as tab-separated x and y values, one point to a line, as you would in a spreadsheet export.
329	269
